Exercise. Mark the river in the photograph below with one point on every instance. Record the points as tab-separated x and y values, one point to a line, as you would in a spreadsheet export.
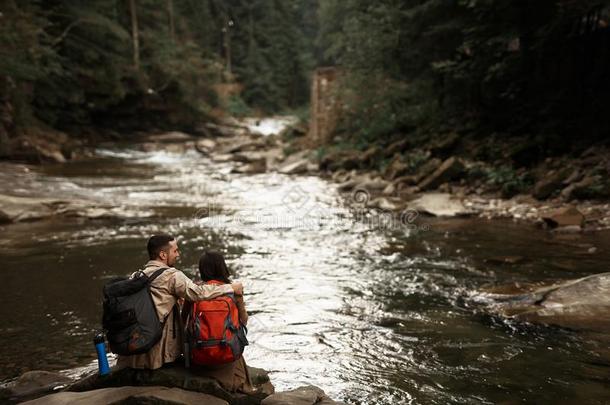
372	310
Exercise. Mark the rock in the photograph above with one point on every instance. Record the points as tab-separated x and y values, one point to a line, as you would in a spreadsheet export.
440	205
256	167
221	157
351	161
575	176
427	168
551	183
5	218
249	156
170	137
565	216
390	189
568	229
382	203
445	144
245	145
396	169
369	156
593	187
130	395
300	166
373	185
307	395
177	377
205	146
575	189
18	209
348	185
37	151
313	167
34	383
340	176
296	157
406	180
581	304
451	169
397	147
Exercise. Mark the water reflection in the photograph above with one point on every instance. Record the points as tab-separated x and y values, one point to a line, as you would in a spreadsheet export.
370	315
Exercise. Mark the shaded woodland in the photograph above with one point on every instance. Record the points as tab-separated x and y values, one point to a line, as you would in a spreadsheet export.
486	68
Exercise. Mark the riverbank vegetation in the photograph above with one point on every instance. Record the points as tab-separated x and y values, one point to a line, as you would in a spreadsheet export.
503	85
145	63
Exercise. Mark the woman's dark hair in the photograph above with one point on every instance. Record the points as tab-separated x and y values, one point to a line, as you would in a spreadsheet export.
212	266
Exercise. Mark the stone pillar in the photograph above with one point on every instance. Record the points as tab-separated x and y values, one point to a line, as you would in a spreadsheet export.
324	105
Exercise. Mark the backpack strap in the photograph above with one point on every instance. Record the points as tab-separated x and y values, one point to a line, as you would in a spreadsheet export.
156	274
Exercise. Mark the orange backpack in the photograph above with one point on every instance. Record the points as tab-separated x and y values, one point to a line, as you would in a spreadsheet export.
215	335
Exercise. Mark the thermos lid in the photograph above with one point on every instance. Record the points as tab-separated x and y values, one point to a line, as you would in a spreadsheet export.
99	338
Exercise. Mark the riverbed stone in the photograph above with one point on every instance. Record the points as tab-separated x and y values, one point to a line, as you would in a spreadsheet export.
33	383
582	304
439	204
130	395
300	166
4	218
205	146
396	168
449	170
551	183
170	137
179	377
565	216
306	395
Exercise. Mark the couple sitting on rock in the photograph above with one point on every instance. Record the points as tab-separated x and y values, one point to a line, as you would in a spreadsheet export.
170	290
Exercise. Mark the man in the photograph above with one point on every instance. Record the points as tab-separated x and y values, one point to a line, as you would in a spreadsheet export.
166	290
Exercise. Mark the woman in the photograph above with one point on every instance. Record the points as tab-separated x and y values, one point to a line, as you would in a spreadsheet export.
233	376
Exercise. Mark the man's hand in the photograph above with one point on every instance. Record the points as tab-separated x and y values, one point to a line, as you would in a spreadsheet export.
238	288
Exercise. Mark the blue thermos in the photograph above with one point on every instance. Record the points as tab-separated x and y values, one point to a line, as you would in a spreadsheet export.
102	359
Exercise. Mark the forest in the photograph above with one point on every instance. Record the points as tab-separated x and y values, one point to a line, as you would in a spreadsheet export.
538	68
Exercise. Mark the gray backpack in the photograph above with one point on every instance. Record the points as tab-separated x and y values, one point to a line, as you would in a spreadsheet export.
130	318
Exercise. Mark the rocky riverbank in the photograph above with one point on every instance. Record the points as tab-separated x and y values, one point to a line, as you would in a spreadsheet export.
429	181
399	177
171	385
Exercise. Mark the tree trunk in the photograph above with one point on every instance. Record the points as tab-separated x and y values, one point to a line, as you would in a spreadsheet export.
226	30
134	34
170	14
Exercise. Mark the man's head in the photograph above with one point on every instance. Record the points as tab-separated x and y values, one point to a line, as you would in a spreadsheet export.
163	248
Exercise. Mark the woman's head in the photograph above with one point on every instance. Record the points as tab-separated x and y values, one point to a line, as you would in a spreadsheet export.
212	266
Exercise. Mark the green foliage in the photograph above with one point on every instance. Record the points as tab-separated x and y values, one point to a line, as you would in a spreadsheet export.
518	67
72	63
508	180
237	107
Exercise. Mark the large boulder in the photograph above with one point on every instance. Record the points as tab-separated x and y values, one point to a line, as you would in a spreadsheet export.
566	216
451	169
130	396
440	205
307	395
582	304
178	377
551	183
33	384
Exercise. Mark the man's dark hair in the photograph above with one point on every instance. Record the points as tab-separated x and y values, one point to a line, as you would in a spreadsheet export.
156	244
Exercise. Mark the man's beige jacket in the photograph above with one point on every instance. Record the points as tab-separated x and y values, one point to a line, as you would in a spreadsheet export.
165	290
